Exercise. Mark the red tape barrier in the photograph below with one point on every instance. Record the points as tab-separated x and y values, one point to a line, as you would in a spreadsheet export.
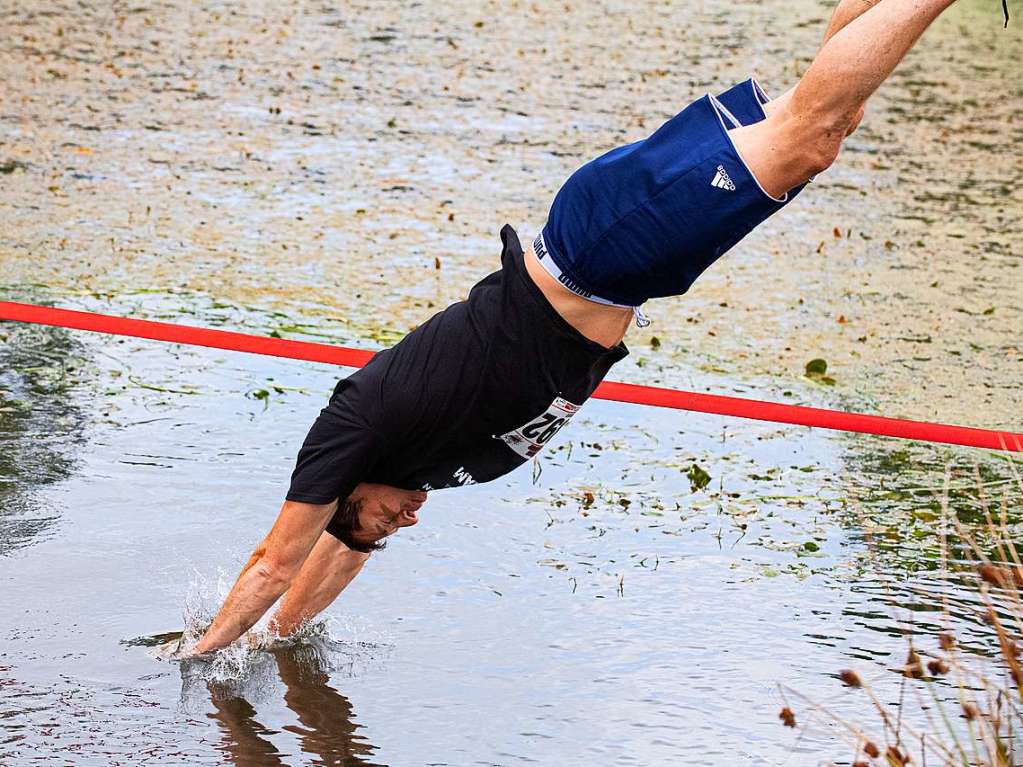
609	390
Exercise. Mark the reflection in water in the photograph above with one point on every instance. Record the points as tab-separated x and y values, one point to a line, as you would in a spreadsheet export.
326	715
913	505
327	728
40	422
244	737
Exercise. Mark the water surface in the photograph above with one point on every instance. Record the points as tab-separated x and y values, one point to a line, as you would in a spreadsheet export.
598	607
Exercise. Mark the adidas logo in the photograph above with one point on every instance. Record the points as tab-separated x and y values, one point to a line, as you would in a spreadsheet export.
722	180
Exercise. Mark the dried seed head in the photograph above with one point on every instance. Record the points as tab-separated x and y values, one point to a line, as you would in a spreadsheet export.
787	717
850	677
1001	576
895	757
871	750
970	711
1011	650
947	642
913	668
937	667
989	574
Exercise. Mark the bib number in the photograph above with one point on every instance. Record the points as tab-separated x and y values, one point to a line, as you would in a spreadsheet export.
528	440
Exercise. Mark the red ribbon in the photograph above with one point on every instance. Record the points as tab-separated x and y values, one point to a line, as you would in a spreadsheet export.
610	390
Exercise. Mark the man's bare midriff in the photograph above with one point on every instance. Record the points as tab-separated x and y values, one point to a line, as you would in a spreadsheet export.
604	324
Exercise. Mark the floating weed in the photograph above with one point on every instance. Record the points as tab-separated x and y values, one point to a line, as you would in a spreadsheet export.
385	336
816	371
8	167
905	517
162	389
698	478
260	394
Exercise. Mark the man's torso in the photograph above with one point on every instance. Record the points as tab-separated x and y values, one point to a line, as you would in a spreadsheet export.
480	387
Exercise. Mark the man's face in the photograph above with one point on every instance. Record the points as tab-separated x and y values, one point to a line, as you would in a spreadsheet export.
384	510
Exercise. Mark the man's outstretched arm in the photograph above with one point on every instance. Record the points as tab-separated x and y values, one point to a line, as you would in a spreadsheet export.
331	565
326	573
269	572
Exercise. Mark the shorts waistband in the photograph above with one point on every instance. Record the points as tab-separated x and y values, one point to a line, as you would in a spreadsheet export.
543	255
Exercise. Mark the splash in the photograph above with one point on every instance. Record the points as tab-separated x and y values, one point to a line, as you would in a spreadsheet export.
336	645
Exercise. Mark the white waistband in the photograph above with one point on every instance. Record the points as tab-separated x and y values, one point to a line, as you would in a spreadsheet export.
543	255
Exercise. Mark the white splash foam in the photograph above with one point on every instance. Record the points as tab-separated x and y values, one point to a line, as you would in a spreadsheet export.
345	645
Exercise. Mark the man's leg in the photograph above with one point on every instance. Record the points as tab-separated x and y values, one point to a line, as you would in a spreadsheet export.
802	135
327	571
845	12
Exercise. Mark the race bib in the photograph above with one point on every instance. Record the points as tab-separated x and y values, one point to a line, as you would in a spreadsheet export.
529	439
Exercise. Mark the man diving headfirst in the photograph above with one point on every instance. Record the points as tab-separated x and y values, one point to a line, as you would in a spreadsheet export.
483	385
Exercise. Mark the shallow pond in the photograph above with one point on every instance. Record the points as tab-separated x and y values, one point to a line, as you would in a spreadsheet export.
338	173
597	606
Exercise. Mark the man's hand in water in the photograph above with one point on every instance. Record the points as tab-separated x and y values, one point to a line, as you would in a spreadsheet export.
277	562
269	572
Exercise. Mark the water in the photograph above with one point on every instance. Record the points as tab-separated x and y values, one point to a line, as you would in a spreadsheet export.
522	621
595	607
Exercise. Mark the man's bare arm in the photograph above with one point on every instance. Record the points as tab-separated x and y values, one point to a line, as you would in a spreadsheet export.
332	565
326	573
269	572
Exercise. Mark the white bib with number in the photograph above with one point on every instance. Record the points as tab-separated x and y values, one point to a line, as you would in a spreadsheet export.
529	439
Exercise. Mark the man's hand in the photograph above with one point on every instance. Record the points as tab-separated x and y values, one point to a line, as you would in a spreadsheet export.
277	562
269	572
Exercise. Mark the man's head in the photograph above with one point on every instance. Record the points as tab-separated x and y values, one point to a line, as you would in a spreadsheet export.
373	512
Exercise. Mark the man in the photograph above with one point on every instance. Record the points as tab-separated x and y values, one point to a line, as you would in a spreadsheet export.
484	384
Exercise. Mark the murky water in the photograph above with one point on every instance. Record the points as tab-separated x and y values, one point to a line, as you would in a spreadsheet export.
598	607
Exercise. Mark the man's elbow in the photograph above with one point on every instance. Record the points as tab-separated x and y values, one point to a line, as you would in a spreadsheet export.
276	572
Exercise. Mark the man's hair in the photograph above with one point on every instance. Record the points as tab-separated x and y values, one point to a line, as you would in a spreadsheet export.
346	522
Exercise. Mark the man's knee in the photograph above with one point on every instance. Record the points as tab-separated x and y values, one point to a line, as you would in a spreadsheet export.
792	146
819	130
818	141
822	151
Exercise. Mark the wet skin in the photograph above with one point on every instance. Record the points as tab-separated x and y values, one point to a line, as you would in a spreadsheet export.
298	554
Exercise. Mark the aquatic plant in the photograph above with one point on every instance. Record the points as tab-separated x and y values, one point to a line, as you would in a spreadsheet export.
959	703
